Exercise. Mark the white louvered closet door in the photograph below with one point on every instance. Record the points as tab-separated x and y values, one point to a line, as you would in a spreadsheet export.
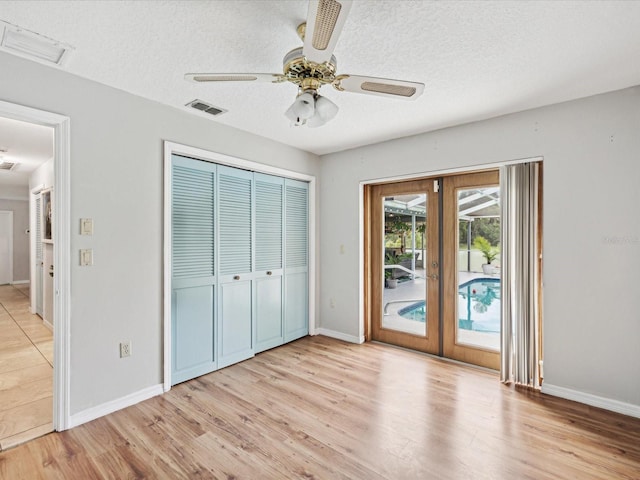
269	248
193	279
235	242
239	264
296	272
39	258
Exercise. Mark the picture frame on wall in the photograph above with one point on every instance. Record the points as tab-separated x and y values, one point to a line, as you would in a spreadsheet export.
47	216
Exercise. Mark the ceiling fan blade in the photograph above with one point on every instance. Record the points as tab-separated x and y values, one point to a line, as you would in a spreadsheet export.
379	86
234	77
324	24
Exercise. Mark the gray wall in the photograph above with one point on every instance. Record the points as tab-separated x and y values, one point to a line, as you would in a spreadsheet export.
591	228
20	209
116	179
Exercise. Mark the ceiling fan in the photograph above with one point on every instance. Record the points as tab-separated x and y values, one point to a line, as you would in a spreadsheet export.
314	65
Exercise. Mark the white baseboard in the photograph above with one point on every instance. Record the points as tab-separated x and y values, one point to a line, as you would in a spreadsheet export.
339	335
593	400
114	405
19	282
47	324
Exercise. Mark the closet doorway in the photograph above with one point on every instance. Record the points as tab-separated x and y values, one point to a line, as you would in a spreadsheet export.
239	265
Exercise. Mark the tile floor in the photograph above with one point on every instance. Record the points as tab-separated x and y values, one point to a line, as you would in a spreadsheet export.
26	370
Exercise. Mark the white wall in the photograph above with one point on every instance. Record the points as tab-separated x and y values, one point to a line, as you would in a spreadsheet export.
42	177
591	150
13	192
20	209
116	179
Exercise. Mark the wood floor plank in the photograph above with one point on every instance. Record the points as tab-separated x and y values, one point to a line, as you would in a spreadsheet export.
61	458
25	417
14	378
11	336
20	357
45	347
321	408
37	333
23	437
26	392
6	320
26	319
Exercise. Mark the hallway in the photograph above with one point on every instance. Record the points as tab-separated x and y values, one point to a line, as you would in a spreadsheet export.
26	370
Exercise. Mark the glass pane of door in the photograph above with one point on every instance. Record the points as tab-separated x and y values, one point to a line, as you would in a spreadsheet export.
478	267
405	292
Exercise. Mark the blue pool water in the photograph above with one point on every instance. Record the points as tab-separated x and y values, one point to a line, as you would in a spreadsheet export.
478	306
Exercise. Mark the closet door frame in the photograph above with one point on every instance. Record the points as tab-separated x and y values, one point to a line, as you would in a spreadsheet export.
172	148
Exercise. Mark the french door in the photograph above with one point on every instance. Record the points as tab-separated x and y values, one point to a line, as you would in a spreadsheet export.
471	306
405	264
430	286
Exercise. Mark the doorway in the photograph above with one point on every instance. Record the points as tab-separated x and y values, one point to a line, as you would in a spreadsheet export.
26	334
433	263
60	243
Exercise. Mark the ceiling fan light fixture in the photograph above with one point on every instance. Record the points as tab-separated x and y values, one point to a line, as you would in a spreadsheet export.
302	109
304	106
312	110
326	110
315	121
291	115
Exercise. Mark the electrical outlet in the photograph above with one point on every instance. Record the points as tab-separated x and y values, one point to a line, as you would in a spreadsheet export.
125	349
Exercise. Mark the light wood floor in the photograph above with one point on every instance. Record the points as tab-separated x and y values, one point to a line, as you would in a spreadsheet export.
26	370
321	408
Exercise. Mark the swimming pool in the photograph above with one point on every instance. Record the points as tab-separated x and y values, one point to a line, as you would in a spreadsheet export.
478	306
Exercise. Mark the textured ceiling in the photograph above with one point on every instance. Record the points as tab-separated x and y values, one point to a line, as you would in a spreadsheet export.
478	59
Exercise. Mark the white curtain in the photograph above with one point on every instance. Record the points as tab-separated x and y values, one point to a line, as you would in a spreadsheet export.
520	340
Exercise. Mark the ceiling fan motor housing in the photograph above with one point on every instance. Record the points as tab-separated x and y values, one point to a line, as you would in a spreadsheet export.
308	75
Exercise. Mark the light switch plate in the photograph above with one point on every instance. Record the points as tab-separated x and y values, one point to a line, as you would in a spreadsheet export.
86	257
86	226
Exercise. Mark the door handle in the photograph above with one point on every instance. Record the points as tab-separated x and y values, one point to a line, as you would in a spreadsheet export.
269	273
434	264
236	277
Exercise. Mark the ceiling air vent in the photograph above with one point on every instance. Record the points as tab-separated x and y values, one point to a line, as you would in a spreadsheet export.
7	165
206	107
32	45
